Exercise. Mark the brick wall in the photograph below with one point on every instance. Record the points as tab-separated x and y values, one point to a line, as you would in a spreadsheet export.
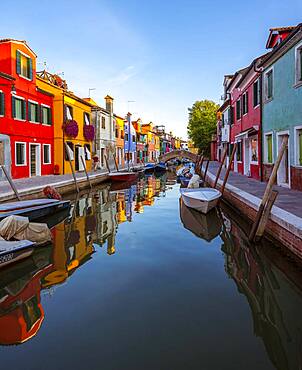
296	178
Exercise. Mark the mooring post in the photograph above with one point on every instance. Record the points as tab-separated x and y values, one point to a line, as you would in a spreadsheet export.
269	187
9	179
265	216
71	166
206	170
229	168
107	163
220	167
85	169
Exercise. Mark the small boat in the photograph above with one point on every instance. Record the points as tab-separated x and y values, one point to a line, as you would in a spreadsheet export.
123	176
149	167
33	209
185	181
160	167
13	251
202	199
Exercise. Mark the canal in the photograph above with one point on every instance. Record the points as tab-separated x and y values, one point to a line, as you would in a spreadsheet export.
135	280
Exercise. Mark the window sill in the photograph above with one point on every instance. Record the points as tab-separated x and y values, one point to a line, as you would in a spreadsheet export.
36	123
25	78
46	124
47	163
254	163
19	119
20	165
268	100
297	84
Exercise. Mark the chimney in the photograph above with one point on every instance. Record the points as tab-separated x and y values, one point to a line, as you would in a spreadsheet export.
109	103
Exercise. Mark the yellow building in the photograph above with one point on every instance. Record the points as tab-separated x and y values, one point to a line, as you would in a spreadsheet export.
177	142
71	118
191	147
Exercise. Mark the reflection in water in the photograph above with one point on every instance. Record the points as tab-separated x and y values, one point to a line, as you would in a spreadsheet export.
271	285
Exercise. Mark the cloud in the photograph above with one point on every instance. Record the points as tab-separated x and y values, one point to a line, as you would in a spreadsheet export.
123	76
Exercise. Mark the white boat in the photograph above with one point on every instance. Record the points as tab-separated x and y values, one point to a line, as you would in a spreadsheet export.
13	251
202	199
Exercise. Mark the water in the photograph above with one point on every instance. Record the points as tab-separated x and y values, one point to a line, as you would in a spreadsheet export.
131	283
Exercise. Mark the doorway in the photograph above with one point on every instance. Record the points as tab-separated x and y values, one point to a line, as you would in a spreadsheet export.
246	157
283	174
35	160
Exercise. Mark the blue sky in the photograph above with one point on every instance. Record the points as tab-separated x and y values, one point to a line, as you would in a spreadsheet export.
163	55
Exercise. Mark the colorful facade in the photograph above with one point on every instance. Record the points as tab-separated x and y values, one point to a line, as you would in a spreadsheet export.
119	140
72	125
26	114
129	141
141	140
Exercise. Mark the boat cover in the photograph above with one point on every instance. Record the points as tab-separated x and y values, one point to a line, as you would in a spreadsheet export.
194	182
19	228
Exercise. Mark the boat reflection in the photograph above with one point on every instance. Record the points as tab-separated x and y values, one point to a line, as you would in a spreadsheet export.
204	226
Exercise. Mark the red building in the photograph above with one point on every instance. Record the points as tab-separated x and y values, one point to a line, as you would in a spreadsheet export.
246	123
26	130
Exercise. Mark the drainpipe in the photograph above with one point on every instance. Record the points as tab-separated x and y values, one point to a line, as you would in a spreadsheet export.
260	126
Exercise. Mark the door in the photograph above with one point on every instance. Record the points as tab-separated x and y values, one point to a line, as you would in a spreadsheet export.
246	156
35	160
1	157
283	174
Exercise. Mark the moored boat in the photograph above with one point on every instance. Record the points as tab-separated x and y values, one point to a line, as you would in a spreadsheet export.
13	251
202	199
160	167
123	176
33	209
149	167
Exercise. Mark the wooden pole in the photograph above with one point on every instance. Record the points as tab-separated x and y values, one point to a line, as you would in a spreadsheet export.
85	169
220	167
9	179
206	170
107	164
228	169
115	161
71	166
269	188
265	215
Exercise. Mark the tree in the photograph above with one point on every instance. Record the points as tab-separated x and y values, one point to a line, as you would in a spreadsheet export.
202	124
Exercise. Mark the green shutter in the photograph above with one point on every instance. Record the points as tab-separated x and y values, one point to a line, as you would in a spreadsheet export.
49	118
269	149
24	109
30	68
29	111
13	107
18	62
247	102
2	107
39	114
300	148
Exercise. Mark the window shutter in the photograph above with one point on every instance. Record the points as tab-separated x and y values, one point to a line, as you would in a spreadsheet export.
300	148
13	107
40	117
18	62
2	107
30	68
247	102
269	149
49	117
24	109
29	111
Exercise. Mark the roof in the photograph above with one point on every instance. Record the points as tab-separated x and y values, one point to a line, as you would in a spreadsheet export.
283	29
18	41
247	70
283	44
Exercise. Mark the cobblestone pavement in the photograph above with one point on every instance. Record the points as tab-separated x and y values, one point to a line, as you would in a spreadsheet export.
287	199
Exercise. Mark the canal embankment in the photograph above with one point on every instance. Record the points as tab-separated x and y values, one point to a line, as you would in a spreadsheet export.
244	195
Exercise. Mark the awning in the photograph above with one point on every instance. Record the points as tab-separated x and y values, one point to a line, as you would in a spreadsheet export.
246	133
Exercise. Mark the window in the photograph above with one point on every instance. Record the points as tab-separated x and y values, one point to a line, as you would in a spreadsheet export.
245	103
70	148
33	112
122	134
269	85
269	148
46	154
256	93
86	119
298	68
239	151
254	150
238	109
19	108
2	104
45	115
87	152
20	152
133	138
126	137
69	112
231	115
24	65
103	122
116	132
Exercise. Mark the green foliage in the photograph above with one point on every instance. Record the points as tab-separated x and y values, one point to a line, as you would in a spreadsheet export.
202	124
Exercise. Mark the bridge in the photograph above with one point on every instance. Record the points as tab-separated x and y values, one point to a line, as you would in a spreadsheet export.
178	154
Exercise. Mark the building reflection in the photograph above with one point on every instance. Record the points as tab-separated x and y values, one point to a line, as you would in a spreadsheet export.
273	289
